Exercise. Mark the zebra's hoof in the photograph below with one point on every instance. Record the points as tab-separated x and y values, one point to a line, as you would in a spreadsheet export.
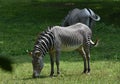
58	73
88	73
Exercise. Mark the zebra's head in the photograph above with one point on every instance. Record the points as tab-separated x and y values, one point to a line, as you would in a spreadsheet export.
37	62
42	45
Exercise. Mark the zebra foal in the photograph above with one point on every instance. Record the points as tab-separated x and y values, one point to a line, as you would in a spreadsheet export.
56	39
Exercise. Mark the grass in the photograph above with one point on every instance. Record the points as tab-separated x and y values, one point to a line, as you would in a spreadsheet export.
102	73
19	26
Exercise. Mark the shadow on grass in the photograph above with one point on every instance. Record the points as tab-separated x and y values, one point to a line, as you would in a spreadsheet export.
41	77
55	76
44	77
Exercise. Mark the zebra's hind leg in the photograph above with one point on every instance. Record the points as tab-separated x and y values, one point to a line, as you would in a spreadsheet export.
82	52
88	59
87	51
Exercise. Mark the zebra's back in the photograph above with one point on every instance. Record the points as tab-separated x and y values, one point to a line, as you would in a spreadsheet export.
72	37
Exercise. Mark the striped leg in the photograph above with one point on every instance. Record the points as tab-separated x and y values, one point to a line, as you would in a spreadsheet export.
87	51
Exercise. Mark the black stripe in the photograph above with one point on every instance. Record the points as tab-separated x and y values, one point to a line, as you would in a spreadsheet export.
47	36
89	11
50	38
43	48
90	19
45	42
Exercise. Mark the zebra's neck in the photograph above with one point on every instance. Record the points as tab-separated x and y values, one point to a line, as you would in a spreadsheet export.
44	42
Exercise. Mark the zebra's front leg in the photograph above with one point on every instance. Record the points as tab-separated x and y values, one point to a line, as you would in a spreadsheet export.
58	61
52	63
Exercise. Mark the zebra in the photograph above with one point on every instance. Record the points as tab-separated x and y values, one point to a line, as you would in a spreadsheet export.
56	39
85	16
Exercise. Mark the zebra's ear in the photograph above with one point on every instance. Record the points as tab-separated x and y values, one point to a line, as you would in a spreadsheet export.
29	52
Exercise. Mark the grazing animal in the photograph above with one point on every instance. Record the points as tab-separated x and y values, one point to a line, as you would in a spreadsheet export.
85	16
56	39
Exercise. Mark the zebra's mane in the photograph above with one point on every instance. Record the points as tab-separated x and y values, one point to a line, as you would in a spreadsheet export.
44	39
44	32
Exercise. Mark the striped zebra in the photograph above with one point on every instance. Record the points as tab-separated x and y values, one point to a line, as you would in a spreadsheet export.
56	39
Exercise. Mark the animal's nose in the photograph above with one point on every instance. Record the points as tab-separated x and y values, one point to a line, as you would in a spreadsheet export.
34	76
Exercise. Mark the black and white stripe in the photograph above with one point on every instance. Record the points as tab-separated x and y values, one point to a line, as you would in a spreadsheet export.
44	42
88	41
90	19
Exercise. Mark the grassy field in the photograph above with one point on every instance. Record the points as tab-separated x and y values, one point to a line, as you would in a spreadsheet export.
19	26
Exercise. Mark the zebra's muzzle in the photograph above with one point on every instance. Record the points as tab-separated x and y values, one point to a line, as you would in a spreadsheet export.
35	76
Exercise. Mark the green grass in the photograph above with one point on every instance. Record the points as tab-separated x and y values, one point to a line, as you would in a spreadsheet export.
103	72
19	26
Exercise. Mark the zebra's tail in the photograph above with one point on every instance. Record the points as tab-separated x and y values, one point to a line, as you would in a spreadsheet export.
96	17
95	44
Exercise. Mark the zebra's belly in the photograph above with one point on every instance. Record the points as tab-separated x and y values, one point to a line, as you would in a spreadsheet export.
69	48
